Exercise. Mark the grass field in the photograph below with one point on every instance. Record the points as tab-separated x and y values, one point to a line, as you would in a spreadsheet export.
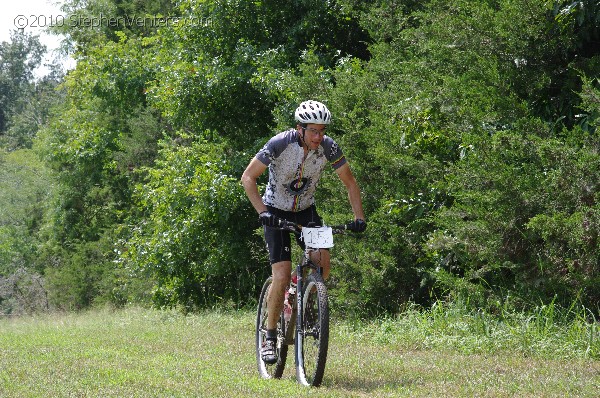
149	353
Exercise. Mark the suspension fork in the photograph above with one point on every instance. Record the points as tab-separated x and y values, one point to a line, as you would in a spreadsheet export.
299	297
303	267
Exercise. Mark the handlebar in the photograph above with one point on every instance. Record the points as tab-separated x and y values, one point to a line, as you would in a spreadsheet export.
297	228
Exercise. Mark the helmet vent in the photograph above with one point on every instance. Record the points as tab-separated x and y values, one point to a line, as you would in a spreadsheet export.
313	112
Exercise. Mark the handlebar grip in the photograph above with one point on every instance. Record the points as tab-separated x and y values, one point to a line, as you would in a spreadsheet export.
289	225
341	227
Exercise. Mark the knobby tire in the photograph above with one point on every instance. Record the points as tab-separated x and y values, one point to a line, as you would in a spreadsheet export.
312	337
274	371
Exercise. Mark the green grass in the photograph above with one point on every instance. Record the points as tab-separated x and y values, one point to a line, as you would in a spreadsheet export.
149	353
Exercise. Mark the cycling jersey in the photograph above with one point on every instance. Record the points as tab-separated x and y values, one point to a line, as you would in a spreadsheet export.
293	178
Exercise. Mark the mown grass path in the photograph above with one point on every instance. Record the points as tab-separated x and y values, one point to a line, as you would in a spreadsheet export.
150	353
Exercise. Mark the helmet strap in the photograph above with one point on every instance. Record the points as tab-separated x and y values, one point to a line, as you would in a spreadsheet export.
302	137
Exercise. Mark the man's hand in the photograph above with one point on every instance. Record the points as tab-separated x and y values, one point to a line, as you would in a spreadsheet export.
269	220
358	225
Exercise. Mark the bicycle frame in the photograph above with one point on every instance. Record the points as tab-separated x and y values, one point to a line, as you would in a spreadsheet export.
302	269
302	329
304	266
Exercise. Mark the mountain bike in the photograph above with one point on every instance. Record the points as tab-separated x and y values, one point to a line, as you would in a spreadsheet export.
307	328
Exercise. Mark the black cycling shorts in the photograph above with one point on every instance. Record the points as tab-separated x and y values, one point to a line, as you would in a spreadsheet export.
279	243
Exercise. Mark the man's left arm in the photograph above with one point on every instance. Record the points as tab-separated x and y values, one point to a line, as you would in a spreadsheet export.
349	181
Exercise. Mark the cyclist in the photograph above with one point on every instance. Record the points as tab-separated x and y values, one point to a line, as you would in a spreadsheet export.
296	158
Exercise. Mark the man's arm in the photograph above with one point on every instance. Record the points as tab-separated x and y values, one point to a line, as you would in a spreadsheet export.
349	181
253	171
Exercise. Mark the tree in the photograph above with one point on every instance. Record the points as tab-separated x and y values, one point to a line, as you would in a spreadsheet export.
18	60
196	239
26	189
219	65
94	22
217	80
445	133
460	119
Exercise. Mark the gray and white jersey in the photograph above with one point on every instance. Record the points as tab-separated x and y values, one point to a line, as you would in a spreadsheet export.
293	179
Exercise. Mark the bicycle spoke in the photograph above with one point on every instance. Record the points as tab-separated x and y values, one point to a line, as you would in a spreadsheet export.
275	370
314	334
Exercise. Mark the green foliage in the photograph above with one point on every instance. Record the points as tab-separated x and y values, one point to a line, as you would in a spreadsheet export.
523	217
471	127
35	111
92	23
587	134
189	241
26	189
438	131
85	275
98	136
219	66
18	60
570	53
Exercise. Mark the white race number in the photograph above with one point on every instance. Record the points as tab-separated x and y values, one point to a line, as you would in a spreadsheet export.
318	238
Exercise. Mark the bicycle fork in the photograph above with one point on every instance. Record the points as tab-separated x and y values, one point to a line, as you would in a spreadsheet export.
301	268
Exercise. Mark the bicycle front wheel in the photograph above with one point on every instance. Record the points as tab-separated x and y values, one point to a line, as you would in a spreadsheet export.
312	336
274	371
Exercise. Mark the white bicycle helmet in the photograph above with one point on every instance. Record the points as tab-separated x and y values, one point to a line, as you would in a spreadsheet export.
313	112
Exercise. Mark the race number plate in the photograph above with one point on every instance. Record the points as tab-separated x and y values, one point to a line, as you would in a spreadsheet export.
318	238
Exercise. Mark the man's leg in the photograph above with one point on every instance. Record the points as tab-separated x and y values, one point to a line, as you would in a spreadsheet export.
321	258
281	280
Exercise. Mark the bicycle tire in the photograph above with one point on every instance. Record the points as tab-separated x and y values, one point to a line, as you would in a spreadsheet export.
267	371
312	337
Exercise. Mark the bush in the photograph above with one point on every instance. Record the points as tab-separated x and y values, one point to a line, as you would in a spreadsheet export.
523	218
195	236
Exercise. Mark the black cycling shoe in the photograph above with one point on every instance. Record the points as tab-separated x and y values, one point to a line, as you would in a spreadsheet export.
268	351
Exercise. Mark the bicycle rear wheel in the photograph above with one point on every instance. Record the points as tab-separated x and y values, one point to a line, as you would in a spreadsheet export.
274	371
312	336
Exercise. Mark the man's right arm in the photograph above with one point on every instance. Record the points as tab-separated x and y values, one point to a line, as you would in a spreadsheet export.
253	171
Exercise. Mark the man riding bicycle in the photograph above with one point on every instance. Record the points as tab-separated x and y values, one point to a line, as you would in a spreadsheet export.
296	159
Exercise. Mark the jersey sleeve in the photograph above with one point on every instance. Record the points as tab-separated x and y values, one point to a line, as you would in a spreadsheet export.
334	153
273	148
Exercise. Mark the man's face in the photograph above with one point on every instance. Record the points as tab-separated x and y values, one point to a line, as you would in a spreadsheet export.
314	135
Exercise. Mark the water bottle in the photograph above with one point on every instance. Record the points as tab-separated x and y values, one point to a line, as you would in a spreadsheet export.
288	303
292	289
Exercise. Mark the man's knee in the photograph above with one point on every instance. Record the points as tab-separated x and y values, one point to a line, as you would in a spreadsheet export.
320	257
281	272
